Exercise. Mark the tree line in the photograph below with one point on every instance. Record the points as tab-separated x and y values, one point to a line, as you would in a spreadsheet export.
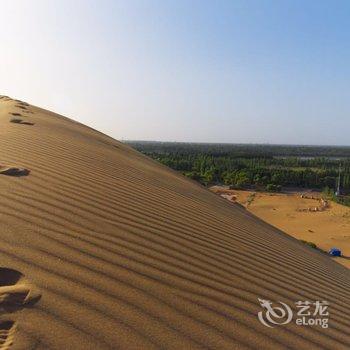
259	166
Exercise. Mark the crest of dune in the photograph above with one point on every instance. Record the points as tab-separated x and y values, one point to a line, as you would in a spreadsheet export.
103	248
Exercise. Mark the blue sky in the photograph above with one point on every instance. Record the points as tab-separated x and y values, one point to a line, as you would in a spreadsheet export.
206	71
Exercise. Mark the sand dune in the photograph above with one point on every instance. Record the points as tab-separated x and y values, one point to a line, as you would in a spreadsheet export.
294	214
127	254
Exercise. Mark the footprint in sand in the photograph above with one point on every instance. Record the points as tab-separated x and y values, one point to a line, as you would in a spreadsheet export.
7	330
21	107
13	171
16	292
21	103
20	121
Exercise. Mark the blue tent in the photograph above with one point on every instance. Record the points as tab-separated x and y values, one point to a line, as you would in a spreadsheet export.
335	252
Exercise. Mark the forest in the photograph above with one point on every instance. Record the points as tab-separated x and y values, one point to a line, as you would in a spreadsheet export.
262	167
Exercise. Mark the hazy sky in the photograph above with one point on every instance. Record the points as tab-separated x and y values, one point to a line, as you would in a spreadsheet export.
211	71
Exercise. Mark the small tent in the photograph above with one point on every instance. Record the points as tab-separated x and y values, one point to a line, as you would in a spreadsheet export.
335	252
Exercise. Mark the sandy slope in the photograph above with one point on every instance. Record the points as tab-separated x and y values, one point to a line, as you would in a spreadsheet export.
287	211
128	254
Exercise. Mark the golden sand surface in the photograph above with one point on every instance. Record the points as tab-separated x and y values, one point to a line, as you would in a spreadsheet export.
103	248
295	214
